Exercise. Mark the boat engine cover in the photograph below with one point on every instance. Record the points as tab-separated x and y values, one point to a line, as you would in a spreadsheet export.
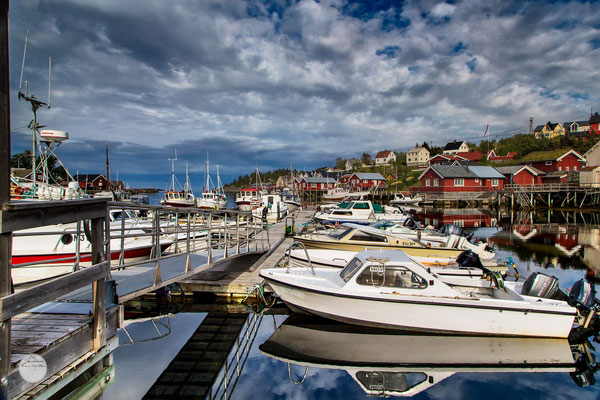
469	259
541	285
582	295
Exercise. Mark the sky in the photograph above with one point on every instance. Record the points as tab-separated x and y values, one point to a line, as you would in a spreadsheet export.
292	82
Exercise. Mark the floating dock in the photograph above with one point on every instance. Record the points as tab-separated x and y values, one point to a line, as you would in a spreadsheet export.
228	279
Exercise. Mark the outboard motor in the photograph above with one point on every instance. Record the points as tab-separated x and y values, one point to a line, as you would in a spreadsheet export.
409	222
583	296
469	259
543	286
449	229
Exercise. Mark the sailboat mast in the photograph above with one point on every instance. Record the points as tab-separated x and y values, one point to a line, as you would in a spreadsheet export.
207	174
107	166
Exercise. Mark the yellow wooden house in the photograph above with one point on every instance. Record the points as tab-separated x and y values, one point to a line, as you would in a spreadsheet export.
549	130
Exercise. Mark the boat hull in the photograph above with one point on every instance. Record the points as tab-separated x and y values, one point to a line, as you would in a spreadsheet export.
439	255
426	314
47	268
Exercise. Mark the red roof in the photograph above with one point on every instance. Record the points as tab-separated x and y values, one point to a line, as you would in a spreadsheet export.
469	155
383	154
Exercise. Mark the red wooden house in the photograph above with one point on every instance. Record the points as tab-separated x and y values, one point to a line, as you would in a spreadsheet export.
491	156
469	155
345	178
521	175
595	124
459	178
442	159
310	184
554	160
367	180
92	182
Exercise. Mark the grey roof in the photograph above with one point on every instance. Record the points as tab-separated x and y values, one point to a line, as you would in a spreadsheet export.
453	145
310	179
453	171
514	168
485	172
369	175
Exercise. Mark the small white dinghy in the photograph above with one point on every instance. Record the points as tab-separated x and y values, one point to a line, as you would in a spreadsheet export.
383	288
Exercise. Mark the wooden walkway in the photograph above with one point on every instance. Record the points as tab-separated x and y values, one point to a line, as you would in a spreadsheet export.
229	279
56	337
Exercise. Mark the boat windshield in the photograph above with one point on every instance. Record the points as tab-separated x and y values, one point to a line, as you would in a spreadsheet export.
353	266
389	382
383	224
390	276
339	232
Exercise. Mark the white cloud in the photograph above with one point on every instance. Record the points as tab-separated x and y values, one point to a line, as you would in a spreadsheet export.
442	10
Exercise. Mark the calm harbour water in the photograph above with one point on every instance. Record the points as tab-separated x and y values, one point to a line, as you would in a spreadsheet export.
565	250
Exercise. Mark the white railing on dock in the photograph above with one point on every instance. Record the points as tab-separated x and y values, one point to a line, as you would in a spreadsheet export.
162	233
227	379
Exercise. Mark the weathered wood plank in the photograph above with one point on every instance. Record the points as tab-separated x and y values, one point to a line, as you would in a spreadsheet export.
16	216
20	302
47	317
60	354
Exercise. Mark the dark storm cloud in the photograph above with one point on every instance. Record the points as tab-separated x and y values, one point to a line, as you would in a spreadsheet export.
300	81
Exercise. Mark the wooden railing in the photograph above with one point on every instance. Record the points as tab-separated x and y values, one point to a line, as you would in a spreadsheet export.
544	187
18	216
450	189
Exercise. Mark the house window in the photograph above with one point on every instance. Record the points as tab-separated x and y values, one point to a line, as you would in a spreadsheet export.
476	180
428	182
436	182
575	168
548	162
313	185
566	168
494	182
560	168
459	182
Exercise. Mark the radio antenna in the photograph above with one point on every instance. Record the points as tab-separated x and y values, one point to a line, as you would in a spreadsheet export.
49	77
23	63
35	106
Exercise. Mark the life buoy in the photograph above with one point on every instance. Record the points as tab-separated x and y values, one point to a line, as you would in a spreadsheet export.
16	191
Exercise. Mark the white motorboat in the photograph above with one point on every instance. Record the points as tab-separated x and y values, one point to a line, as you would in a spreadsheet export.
339	193
50	251
273	208
388	363
299	257
405	199
247	199
213	199
387	289
292	200
433	238
359	212
179	198
356	237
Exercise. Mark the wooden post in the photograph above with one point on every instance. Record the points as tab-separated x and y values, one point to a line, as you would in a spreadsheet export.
98	288
5	238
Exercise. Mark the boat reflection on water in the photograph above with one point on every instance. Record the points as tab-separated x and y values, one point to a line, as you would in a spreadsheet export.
385	363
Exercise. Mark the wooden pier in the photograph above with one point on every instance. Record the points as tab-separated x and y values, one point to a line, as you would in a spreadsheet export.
226	280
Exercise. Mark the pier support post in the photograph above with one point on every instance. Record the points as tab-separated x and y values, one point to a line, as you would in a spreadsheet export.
5	238
98	287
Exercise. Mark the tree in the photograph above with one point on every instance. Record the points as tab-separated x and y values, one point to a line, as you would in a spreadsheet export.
340	163
366	159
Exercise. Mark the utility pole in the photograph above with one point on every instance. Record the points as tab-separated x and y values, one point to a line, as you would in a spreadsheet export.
531	125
